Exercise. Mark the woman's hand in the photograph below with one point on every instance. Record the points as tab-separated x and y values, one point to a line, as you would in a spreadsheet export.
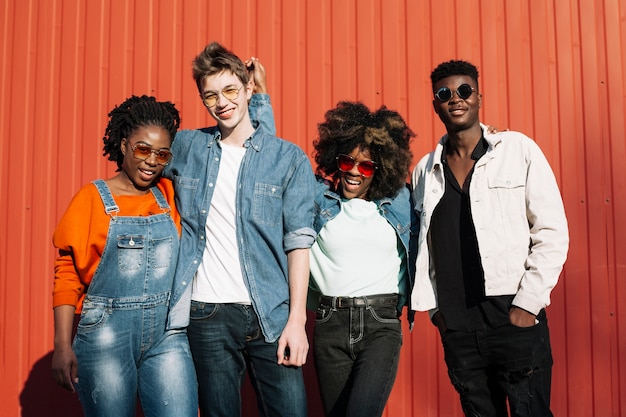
65	368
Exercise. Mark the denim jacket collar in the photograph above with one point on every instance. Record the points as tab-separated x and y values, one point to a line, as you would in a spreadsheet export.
255	141
397	211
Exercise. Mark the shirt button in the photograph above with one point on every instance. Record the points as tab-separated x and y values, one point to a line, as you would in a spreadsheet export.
435	191
203	211
210	184
195	261
201	237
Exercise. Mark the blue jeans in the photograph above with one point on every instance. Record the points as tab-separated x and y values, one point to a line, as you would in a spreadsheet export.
356	357
117	362
225	340
489	366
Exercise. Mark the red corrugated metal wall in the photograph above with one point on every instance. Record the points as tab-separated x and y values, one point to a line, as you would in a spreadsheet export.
554	69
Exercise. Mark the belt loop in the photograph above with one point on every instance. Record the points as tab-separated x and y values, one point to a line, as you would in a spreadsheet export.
367	303
334	303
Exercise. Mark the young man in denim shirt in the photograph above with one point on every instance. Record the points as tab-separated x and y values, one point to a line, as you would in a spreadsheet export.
246	203
492	242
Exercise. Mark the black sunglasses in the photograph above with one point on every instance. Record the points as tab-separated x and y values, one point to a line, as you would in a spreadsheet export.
463	92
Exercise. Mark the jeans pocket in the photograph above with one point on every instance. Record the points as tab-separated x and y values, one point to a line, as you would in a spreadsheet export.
387	314
202	311
323	314
92	317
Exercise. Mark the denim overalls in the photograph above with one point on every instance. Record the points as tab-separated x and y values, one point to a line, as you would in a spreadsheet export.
122	347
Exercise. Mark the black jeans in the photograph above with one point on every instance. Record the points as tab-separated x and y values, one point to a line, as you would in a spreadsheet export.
356	357
489	366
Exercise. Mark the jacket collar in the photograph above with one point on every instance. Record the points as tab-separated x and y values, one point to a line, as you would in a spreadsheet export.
492	139
255	141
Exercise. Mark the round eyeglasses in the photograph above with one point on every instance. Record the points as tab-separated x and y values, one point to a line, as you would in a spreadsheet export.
463	92
230	93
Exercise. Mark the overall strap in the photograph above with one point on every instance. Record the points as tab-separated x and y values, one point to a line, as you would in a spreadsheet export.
106	196
160	198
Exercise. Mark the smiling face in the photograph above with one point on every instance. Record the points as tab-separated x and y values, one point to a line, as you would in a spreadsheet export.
458	114
139	173
353	184
230	115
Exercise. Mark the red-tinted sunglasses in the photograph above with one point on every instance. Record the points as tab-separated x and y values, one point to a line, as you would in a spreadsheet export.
345	163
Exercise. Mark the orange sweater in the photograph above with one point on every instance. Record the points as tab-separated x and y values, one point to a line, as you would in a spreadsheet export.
81	235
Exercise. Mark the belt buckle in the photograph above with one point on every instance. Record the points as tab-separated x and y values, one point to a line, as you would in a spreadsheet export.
339	302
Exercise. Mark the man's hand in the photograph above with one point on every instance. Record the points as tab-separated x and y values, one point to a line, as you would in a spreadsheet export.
521	318
256	71
439	322
293	345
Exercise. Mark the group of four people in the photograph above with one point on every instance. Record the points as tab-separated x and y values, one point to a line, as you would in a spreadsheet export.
191	266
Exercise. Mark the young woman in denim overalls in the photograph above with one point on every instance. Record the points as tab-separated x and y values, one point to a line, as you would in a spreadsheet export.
118	245
360	260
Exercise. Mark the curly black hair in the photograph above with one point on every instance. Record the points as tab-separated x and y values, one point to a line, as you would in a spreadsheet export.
454	67
383	132
133	113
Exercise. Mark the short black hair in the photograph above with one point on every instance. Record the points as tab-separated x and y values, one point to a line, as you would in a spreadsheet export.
454	67
383	133
133	113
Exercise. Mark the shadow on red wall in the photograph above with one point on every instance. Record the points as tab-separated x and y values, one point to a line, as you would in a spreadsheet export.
41	396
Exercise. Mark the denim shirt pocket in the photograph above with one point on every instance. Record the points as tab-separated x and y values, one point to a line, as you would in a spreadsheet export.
186	189
267	204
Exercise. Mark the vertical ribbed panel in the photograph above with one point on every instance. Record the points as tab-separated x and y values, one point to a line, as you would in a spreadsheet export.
552	69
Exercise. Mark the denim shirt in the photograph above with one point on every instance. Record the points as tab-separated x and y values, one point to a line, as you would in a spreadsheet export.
398	212
274	210
518	214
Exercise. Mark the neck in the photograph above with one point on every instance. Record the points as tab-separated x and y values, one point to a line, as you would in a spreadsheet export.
463	142
122	185
237	135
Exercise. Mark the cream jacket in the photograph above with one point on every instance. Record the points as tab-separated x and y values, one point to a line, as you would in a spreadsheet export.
518	215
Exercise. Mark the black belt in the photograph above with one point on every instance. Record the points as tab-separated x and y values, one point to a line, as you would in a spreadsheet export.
378	300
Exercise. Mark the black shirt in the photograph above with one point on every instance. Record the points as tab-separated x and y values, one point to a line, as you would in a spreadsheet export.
456	257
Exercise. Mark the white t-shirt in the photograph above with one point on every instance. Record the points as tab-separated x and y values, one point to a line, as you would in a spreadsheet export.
219	278
356	253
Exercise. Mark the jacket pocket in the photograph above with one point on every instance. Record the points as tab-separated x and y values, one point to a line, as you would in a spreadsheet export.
508	195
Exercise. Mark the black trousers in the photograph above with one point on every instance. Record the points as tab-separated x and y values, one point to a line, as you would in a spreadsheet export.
488	367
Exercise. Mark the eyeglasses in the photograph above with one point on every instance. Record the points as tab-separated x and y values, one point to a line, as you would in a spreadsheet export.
230	93
345	163
143	152
463	92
